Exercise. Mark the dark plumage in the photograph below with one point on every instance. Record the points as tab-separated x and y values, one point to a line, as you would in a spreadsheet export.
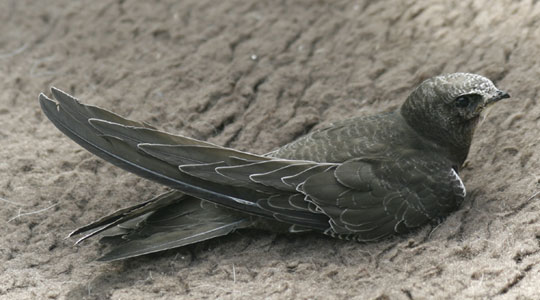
364	178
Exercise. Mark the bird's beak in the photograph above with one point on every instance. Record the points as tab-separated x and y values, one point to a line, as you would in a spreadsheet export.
499	96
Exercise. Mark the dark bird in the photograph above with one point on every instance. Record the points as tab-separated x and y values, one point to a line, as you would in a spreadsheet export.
361	179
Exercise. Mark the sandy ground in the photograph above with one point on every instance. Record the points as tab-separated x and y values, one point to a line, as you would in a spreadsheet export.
255	75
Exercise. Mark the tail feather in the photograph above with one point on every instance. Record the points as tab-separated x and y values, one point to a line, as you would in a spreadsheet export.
188	221
172	239
167	221
126	214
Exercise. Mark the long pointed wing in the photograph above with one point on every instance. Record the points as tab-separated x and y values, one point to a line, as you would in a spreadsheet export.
121	142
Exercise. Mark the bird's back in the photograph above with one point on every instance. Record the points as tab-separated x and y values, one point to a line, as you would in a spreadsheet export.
376	135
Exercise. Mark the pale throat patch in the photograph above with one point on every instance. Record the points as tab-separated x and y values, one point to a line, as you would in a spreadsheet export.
485	113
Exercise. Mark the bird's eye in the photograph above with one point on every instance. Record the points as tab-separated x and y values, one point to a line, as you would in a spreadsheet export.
463	101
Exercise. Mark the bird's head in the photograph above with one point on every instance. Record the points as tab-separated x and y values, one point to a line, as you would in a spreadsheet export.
447	108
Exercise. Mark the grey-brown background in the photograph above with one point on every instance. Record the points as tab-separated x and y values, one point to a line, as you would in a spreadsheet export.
254	75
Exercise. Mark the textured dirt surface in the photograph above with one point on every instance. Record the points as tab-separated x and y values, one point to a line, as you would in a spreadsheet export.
255	75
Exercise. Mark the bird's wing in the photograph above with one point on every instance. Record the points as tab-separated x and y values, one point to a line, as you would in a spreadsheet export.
128	144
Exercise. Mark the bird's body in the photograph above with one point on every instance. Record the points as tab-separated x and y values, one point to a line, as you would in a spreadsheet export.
363	178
